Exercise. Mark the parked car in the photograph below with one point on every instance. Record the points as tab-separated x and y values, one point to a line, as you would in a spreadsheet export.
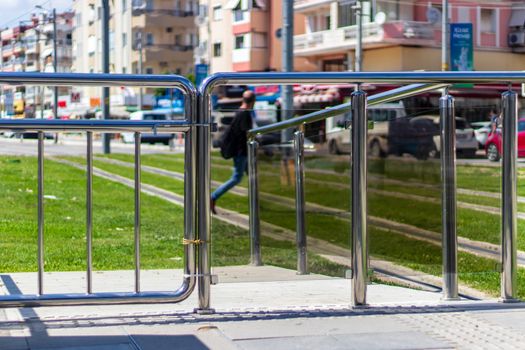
163	114
493	147
482	131
338	137
466	142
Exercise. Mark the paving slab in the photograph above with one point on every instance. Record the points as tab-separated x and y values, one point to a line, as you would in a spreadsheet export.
258	308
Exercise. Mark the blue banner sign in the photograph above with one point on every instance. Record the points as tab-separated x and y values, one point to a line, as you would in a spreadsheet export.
201	72
461	48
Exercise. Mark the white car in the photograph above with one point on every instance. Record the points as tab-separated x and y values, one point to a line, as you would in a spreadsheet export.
338	137
482	131
129	137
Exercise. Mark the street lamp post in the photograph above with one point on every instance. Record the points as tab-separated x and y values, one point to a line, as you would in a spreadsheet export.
139	47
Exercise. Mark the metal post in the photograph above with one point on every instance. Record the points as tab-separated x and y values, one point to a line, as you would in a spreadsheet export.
253	187
203	202
444	37
55	64
40	213
448	197
302	254
359	40
106	138
509	102
89	212
287	59
359	198
137	212
141	91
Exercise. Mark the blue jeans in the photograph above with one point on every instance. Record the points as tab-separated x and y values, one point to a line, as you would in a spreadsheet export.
239	167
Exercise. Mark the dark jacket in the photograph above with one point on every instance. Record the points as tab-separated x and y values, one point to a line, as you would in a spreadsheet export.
238	128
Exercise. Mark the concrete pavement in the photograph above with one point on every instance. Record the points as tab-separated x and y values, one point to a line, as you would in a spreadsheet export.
256	308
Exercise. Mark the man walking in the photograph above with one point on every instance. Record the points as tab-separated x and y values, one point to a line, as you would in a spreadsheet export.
237	145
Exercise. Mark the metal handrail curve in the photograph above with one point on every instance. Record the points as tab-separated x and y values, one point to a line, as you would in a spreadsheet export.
188	125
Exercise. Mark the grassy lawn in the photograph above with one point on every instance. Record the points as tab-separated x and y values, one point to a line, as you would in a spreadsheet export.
162	226
422	256
471	224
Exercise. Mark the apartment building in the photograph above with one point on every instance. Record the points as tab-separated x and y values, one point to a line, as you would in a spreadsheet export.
243	35
146	36
29	47
406	35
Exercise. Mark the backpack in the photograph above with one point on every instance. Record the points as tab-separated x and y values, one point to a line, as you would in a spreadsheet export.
227	143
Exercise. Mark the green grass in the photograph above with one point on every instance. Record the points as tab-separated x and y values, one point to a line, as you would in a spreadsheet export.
422	256
161	236
472	224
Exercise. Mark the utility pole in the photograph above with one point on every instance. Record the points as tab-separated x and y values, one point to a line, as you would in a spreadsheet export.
287	58
55	64
139	46
359	39
106	138
444	37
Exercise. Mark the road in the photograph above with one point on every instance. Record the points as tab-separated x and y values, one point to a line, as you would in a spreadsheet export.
74	145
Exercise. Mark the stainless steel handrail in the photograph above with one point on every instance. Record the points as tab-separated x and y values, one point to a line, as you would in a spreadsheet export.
189	126
359	226
26	125
204	134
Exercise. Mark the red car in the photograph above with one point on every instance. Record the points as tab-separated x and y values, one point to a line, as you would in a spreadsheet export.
493	147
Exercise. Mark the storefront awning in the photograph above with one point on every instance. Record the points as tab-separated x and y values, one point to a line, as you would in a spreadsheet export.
230	5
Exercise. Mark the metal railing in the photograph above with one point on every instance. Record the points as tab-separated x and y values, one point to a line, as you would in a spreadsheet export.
197	127
358	166
187	126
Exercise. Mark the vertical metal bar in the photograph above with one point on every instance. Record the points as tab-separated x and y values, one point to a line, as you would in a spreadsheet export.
137	212
509	102
89	212
359	198
203	201
302	258
253	186
190	205
448	197
40	213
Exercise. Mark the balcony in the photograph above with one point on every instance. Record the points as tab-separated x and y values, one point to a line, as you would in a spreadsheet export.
250	21
250	59
162	19
7	50
32	65
32	47
139	11
300	5
397	32
19	47
167	52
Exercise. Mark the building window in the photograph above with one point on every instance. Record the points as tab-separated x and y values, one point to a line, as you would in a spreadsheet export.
240	15
169	29
178	39
124	5
123	70
391	9
124	39
149	70
240	42
149	4
217	13
488	21
178	71
149	39
217	50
